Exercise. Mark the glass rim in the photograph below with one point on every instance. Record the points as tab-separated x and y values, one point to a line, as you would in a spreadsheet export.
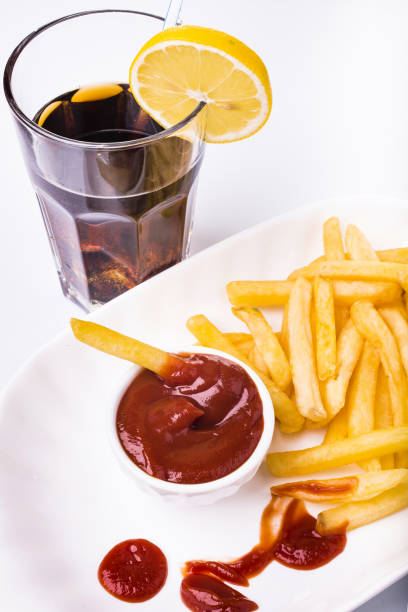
22	117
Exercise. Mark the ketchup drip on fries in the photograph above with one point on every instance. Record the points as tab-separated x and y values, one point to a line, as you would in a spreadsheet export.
287	535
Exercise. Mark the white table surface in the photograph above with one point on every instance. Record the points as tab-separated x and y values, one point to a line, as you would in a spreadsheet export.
339	126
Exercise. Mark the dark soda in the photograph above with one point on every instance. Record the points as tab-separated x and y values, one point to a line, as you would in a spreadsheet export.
130	217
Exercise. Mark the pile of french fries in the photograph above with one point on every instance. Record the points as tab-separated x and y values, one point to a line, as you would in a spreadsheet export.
339	361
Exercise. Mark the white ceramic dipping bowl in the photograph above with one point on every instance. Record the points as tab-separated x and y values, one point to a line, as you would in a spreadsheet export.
206	492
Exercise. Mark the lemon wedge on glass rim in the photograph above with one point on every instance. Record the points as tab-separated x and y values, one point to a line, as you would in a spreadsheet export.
184	65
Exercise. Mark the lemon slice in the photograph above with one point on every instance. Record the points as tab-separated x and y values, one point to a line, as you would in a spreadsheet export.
184	65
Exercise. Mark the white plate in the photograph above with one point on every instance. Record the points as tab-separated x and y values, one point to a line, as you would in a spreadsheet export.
64	500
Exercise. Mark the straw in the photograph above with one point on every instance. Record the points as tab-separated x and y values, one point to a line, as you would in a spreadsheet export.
173	14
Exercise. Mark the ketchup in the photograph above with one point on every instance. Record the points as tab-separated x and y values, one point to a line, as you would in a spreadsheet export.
198	425
287	535
204	593
133	571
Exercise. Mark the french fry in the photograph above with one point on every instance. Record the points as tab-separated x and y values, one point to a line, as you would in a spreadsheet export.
361	399
267	344
360	270
276	293
326	456
391	255
257	360
124	347
378	292
358	246
285	408
373	327
348	488
259	293
337	428
238	337
325	326
394	255
356	514
383	413
349	346
302	360
332	240
398	324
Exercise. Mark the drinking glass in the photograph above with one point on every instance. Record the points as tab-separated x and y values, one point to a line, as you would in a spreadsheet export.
117	207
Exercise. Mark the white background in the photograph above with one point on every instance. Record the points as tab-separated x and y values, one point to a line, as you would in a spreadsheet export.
339	126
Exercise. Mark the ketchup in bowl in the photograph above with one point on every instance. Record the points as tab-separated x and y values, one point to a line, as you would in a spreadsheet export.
198	425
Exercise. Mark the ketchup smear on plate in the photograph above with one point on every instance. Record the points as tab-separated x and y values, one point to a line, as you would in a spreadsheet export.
287	535
133	571
136	570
